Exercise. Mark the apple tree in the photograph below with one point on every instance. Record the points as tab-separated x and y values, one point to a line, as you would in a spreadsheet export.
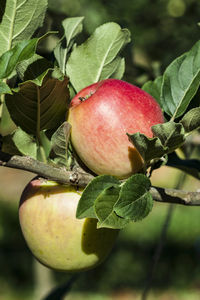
38	136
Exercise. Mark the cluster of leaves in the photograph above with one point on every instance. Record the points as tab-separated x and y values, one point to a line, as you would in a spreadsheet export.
167	137
38	104
35	96
115	204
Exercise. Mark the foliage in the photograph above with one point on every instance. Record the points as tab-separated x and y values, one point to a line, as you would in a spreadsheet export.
98	56
37	93
14	28
36	86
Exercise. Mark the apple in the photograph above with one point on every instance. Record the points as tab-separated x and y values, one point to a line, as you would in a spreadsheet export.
101	115
47	215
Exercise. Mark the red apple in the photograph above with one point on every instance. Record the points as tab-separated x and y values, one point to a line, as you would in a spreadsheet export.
47	215
101	115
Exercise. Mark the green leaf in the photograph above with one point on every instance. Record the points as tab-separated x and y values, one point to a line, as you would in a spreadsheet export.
25	143
20	20
4	88
120	68
94	60
6	124
154	88
171	134
35	108
103	206
85	207
135	201
59	144
34	69
149	148
115	69
45	143
167	137
191	120
180	82
72	27
22	51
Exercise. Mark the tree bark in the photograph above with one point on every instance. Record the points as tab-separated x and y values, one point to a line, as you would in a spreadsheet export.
61	175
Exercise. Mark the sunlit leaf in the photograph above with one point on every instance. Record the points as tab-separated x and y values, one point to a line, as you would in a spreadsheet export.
19	21
72	27
180	82
154	88
6	124
22	51
25	143
4	88
97	58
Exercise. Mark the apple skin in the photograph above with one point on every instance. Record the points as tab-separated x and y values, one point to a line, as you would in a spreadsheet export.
101	115
47	215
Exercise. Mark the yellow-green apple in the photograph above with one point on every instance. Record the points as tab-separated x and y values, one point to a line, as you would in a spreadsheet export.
47	215
101	115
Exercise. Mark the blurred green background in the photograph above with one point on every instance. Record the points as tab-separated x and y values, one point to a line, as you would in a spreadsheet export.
161	30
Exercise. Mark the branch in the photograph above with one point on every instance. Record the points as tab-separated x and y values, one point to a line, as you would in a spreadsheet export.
81	179
175	196
50	172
